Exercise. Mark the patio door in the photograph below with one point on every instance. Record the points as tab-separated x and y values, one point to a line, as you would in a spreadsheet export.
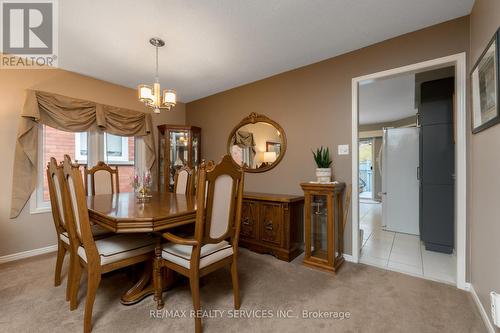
366	186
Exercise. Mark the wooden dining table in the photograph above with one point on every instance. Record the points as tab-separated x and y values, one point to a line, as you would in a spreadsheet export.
124	213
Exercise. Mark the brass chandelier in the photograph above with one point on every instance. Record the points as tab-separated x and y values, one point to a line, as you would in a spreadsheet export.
151	95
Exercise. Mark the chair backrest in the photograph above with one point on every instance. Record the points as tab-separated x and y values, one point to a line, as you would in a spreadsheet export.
55	179
220	187
183	181
103	179
77	206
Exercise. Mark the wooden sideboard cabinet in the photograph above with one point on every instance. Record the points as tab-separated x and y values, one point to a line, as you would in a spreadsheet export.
273	223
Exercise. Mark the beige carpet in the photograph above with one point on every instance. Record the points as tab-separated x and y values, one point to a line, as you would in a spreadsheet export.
377	300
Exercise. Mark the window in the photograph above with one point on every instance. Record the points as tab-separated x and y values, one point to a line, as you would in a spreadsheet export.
117	148
85	148
241	155
81	150
120	151
53	143
114	146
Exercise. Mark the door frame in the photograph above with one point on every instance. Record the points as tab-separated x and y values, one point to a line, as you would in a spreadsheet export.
459	62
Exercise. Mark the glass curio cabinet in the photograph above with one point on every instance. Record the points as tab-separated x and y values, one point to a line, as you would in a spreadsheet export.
178	146
324	243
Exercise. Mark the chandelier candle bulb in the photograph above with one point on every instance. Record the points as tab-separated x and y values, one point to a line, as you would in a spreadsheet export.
156	94
169	97
145	93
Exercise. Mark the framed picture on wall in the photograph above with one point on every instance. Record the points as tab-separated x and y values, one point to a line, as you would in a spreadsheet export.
485	87
273	147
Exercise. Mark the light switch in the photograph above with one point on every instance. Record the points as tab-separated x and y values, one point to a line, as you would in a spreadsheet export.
495	308
343	149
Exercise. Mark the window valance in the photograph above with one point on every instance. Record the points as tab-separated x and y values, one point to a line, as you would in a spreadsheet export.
71	115
244	139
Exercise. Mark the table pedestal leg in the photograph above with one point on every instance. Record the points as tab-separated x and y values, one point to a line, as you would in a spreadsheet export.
145	286
141	289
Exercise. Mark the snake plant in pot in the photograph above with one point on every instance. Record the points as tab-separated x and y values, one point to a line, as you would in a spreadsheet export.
323	163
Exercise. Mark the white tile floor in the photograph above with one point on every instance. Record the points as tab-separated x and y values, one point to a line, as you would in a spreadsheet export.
400	252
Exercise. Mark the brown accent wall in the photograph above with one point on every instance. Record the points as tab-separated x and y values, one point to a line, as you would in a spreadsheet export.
18	235
313	104
484	217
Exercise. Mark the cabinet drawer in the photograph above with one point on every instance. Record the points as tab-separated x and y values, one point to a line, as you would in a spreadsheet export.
271	223
249	218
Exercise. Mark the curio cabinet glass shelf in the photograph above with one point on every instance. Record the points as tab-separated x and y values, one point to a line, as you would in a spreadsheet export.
178	146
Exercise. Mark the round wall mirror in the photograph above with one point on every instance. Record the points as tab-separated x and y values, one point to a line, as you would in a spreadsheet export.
257	143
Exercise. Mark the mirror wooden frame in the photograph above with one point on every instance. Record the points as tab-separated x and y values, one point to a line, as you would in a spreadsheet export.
257	118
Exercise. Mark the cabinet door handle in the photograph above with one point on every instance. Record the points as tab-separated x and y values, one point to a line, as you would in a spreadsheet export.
246	221
269	225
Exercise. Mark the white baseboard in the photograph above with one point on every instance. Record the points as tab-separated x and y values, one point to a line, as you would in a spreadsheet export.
482	311
27	254
348	257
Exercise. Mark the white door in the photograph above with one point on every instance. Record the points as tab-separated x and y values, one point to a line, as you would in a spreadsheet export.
400	185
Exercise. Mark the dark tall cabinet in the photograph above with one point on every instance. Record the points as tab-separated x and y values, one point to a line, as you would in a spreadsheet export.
437	165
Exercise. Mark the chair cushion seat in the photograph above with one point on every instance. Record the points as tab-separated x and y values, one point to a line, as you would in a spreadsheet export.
64	237
119	247
209	254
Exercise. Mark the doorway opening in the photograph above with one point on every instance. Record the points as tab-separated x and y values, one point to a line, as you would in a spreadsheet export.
393	215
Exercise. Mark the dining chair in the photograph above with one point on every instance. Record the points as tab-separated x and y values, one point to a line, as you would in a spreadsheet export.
184	181
55	178
97	256
103	179
215	241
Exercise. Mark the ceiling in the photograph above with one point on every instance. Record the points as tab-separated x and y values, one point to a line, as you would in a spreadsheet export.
387	100
214	45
